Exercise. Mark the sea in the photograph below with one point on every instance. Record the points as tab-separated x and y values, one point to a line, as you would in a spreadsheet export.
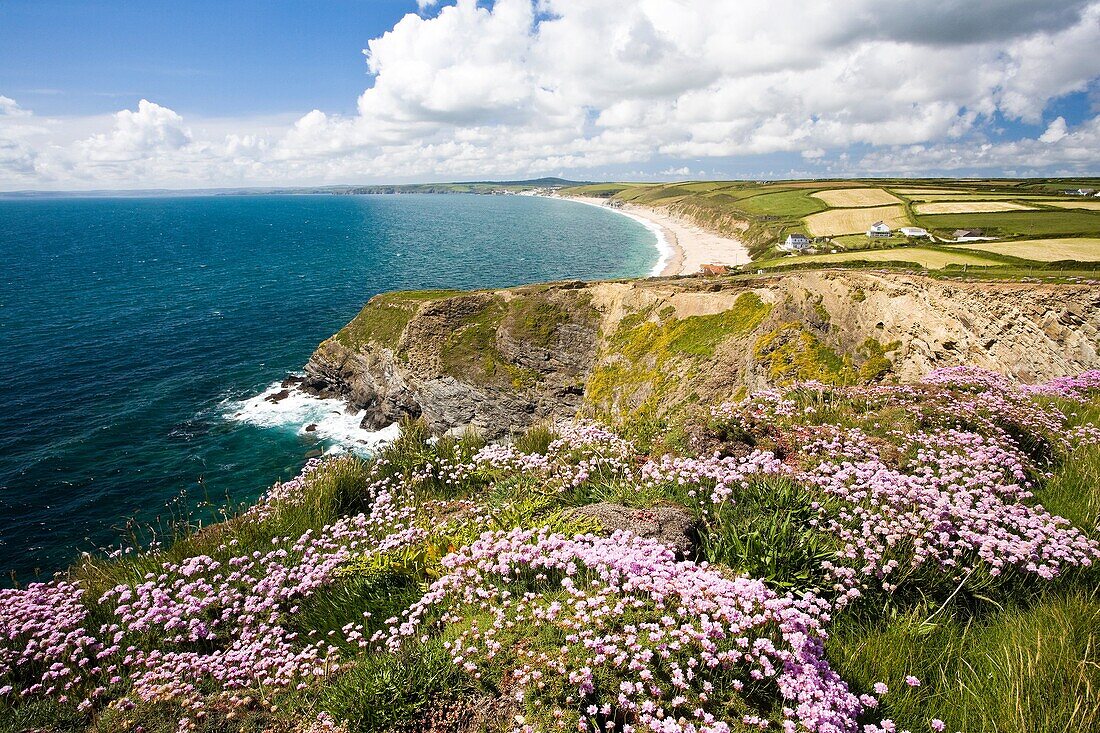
138	337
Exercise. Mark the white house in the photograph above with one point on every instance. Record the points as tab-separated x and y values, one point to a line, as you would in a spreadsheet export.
796	243
914	232
878	229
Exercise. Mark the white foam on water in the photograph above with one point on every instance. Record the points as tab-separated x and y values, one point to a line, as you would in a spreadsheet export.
332	422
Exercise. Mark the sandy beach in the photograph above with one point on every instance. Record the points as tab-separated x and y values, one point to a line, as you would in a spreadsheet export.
685	246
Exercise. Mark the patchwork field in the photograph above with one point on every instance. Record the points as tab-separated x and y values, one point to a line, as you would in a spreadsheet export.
844	197
853	221
1040	223
762	213
1090	205
933	259
968	207
1082	249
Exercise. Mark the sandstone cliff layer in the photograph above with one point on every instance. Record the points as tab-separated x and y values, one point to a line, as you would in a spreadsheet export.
498	360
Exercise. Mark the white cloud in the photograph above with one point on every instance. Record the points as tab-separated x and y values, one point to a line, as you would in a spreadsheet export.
150	129
1055	131
533	86
1073	152
10	108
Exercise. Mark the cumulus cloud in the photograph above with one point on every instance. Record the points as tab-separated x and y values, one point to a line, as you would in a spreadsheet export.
149	129
524	87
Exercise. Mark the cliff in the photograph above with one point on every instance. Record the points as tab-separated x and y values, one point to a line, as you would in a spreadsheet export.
500	360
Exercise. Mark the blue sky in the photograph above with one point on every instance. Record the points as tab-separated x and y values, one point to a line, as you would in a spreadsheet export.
200	94
210	58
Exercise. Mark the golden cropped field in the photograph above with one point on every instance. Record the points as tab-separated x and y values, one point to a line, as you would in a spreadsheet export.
1082	249
933	259
853	221
969	207
922	191
841	197
1093	205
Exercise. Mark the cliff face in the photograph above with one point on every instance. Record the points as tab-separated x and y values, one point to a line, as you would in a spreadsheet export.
504	359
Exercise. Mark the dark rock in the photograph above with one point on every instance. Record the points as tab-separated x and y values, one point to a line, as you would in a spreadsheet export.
292	380
315	453
279	396
669	524
311	427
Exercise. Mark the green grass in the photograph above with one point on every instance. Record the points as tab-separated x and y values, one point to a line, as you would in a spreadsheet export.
383	319
383	691
636	366
1043	223
535	318
471	353
791	204
766	534
1021	670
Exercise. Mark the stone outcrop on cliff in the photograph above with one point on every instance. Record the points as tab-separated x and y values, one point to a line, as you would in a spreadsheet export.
498	360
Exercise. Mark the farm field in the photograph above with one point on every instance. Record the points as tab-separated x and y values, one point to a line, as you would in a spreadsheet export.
978	197
762	213
924	191
966	207
1082	249
1037	224
783	203
854	221
933	259
1090	205
853	197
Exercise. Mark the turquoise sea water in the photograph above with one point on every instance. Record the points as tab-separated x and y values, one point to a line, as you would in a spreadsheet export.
132	331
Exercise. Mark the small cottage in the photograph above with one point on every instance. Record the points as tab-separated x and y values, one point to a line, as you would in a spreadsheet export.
796	242
715	270
878	230
915	232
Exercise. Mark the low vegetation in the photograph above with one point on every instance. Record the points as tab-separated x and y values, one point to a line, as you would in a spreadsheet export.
471	351
383	319
874	557
650	350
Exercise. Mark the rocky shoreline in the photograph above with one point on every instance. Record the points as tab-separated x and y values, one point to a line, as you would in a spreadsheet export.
519	356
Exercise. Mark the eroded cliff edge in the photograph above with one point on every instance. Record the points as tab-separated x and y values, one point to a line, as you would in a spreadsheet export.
499	360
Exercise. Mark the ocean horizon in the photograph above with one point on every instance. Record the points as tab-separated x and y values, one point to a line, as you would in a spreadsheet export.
142	333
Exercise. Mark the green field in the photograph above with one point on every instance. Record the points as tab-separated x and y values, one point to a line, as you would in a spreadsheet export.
762	213
1042	223
784	203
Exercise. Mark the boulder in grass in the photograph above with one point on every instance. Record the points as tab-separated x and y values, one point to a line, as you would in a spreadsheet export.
671	525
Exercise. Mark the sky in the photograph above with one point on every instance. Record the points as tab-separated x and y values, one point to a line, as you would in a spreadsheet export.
150	94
